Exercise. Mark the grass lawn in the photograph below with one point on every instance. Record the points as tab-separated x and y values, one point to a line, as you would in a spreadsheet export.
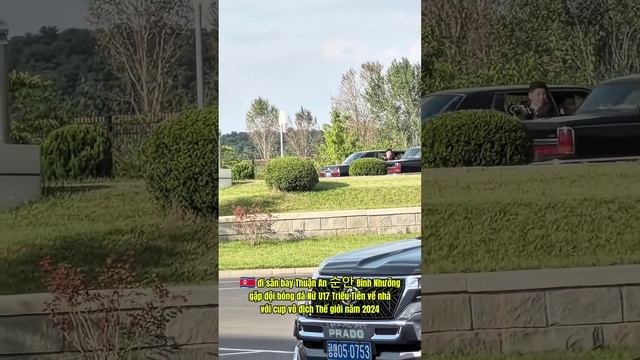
84	225
236	255
530	217
609	354
362	192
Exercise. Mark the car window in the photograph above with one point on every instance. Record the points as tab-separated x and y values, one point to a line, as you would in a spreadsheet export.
513	99
612	96
436	104
568	101
351	158
412	154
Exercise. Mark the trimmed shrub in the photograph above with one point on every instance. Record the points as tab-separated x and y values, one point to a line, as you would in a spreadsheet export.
76	152
291	173
181	162
475	138
367	167
244	170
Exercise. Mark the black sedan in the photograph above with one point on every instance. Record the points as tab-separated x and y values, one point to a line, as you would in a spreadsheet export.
343	169
411	161
607	125
564	98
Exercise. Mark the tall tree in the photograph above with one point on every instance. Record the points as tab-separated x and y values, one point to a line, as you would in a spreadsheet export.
262	125
301	139
142	39
339	142
350	101
403	121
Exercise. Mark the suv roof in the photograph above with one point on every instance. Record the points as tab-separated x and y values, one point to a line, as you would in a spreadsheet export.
463	91
627	78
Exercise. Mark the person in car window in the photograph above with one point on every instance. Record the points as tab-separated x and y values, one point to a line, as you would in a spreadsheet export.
389	155
568	106
538	106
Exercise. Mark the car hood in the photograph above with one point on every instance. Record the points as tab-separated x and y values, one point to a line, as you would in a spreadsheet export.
391	259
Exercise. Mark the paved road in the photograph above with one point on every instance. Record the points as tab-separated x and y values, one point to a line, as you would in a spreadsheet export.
245	333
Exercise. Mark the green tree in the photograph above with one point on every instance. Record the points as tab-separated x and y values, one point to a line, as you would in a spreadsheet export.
402	125
241	144
36	108
339	141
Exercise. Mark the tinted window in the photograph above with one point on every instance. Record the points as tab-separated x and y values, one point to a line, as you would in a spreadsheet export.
436	104
351	158
412	153
568	101
513	99
612	96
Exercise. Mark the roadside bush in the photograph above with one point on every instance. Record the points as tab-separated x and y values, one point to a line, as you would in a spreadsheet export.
181	162
475	138
290	173
76	152
244	170
367	167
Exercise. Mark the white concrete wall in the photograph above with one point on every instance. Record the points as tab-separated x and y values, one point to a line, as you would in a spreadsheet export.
332	223
20	179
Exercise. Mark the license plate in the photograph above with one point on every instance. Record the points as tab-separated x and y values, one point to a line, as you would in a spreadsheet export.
328	173
348	350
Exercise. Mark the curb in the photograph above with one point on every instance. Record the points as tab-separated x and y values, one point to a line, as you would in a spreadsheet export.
225	274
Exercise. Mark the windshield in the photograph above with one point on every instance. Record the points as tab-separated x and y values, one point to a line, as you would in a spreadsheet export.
434	105
612	96
412	153
351	158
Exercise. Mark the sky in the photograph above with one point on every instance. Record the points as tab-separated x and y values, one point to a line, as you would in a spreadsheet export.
24	16
294	52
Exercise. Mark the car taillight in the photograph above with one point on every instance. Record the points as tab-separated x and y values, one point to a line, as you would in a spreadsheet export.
566	141
545	150
395	169
335	172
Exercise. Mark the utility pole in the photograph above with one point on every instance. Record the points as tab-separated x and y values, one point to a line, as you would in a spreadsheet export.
4	83
197	4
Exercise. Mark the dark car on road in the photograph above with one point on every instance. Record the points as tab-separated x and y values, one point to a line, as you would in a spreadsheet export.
411	161
393	332
343	169
606	126
500	98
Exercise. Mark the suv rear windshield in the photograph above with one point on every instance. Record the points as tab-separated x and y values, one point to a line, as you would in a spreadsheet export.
412	154
612	96
435	104
351	158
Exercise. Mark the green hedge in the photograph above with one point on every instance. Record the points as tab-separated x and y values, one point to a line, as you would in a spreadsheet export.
243	170
367	167
181	162
76	152
475	138
291	174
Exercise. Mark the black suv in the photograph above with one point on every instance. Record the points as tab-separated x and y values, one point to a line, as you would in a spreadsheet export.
391	333
343	169
606	127
500	98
